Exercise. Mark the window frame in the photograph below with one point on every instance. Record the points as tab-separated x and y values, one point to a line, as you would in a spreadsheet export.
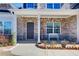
58	28
10	28
53	6
56	7
53	27
49	28
4	28
32	7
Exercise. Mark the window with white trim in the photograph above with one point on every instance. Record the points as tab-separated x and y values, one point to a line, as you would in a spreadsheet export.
5	27
50	27
53	5
31	5
53	27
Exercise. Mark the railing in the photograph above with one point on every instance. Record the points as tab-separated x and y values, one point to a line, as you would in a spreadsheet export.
72	5
59	38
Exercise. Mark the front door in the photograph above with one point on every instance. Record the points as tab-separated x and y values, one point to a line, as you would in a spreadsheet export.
30	30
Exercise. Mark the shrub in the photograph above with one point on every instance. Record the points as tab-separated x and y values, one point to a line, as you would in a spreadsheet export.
13	42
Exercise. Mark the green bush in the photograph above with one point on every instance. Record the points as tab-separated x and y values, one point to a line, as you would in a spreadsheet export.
13	42
1	45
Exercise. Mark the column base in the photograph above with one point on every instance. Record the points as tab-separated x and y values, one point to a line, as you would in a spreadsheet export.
39	42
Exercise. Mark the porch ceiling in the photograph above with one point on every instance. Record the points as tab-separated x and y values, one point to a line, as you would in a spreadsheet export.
45	12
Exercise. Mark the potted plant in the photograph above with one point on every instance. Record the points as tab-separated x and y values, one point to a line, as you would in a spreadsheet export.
41	45
63	43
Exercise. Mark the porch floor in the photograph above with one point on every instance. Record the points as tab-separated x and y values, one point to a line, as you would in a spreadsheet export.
27	41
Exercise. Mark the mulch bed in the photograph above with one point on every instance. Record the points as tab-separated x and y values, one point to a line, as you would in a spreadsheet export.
46	46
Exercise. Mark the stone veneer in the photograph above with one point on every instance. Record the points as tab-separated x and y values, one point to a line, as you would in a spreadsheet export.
22	25
68	26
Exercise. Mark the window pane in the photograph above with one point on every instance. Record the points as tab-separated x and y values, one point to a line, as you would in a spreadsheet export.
57	5
35	5
7	31
56	30
1	28
7	27
1	24
50	5
57	25
31	5
49	30
50	25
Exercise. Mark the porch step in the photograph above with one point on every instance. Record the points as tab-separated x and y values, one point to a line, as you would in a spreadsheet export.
26	41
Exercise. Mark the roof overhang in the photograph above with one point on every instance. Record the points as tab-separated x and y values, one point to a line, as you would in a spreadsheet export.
5	11
45	12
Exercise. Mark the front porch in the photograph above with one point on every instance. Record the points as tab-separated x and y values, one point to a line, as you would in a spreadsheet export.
56	30
34	29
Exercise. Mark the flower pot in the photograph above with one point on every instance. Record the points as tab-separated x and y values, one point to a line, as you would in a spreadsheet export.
63	45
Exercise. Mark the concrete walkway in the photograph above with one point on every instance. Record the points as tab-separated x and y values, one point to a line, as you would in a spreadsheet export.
5	51
32	50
